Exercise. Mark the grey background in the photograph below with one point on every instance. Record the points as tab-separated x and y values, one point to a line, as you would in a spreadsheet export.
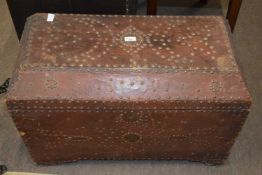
246	154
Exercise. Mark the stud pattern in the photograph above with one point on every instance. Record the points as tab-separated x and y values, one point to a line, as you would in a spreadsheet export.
63	44
166	130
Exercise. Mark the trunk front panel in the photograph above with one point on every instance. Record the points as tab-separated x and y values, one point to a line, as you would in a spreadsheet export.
59	136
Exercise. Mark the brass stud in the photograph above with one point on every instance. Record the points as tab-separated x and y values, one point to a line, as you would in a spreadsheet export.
22	133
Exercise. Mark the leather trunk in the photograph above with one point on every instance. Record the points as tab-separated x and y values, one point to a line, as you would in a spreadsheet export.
127	87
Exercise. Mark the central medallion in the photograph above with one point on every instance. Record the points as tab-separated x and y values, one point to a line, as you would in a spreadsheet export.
130	39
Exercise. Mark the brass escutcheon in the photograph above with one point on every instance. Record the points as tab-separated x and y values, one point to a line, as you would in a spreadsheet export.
131	137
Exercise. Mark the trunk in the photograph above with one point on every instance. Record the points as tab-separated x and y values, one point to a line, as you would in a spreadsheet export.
127	87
